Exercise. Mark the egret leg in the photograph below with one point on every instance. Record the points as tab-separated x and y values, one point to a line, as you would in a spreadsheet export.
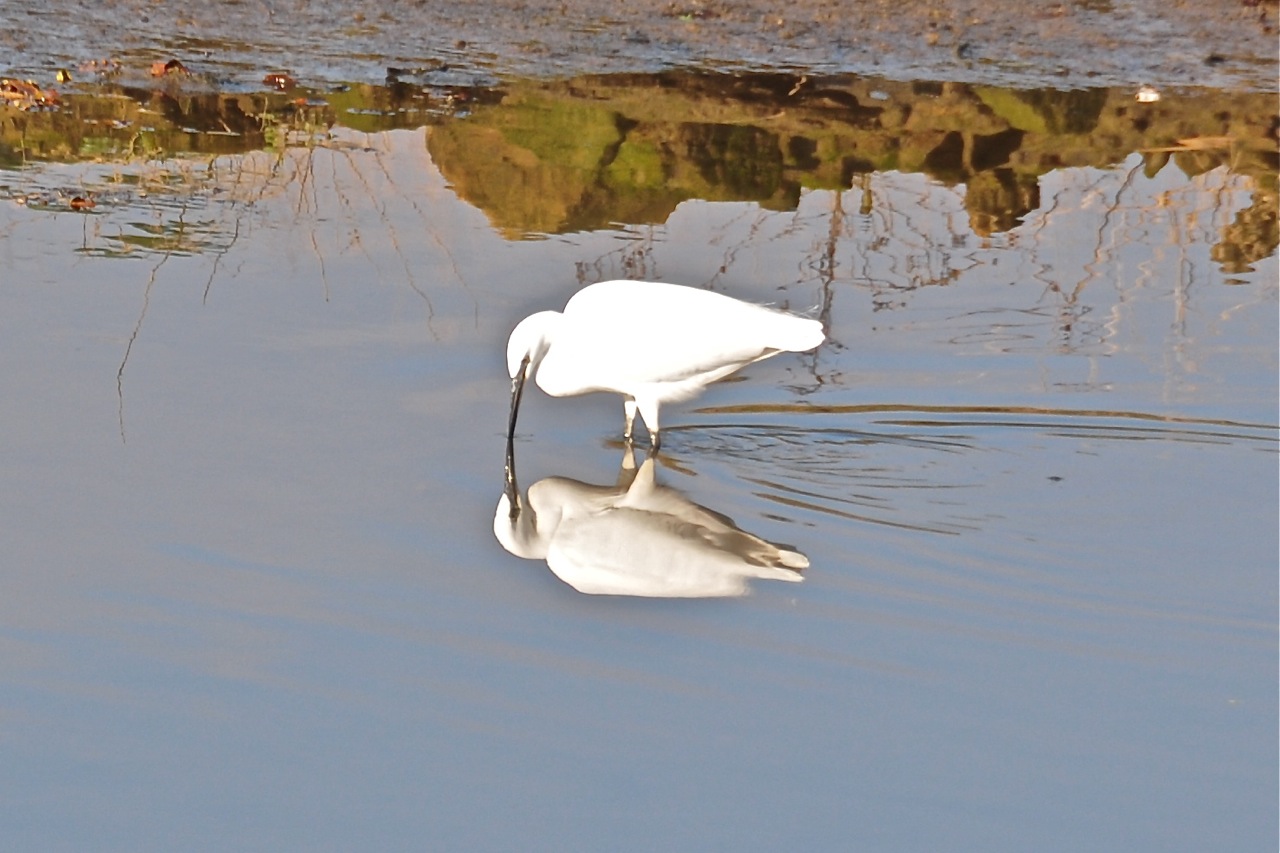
649	413
629	410
628	458
627	471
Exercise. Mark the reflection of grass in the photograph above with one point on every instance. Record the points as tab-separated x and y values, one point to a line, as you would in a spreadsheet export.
122	125
573	135
1011	108
301	129
171	237
142	205
638	164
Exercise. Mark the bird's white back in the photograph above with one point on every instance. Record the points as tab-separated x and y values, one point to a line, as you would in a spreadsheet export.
620	335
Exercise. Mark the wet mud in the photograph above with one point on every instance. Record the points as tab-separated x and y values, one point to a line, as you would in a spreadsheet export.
1084	43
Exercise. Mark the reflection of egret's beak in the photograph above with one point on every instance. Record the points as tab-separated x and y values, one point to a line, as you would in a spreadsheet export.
510	489
517	391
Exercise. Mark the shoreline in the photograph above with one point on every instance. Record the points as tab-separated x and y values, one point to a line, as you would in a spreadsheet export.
1088	44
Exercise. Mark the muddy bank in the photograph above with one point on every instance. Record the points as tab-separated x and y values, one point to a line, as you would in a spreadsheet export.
1087	43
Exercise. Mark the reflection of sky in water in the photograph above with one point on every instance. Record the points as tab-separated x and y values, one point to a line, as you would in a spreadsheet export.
1113	278
249	565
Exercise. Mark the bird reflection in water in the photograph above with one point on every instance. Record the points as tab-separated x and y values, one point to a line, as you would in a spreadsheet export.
635	538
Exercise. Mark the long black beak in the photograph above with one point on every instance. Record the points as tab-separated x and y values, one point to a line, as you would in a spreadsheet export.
517	391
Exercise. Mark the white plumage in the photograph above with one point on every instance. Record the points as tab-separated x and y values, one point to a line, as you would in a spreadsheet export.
651	342
636	538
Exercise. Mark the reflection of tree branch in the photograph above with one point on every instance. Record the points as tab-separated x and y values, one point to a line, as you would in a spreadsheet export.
730	255
435	236
897	234
827	266
634	258
1068	310
137	327
324	272
217	259
827	269
394	235
1104	227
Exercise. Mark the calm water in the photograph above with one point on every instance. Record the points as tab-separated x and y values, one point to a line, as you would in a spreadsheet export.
253	441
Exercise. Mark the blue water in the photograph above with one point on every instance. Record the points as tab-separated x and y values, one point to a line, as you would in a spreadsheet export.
252	598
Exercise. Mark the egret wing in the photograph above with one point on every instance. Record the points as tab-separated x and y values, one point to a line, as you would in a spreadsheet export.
623	333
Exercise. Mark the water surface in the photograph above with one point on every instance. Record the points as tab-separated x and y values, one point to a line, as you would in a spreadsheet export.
254	438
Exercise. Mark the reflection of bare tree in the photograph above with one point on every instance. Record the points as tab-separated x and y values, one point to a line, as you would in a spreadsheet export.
954	188
829	260
1070	310
893	239
350	194
133	337
1091	243
742	232
634	258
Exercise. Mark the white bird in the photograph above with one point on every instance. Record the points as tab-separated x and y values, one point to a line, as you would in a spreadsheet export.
636	538
651	342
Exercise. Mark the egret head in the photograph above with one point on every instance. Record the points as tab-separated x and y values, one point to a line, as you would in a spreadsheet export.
516	529
526	348
530	341
515	525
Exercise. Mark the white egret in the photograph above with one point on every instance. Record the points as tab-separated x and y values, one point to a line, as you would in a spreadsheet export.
636	538
651	342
